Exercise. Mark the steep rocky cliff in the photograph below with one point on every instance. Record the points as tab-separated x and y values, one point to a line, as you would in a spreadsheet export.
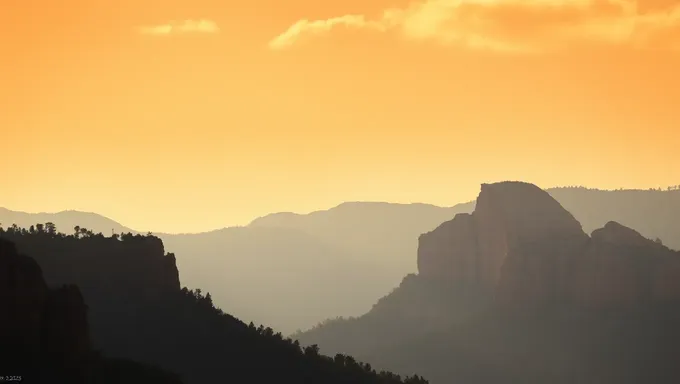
44	333
450	251
38	324
521	244
131	266
620	268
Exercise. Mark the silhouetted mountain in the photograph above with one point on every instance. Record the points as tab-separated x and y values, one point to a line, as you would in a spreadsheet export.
371	244
44	335
137	311
516	292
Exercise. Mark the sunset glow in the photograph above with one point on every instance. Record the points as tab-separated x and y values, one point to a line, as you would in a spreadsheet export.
184	116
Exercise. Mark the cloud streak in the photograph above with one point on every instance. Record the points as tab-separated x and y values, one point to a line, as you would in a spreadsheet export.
305	27
517	26
183	27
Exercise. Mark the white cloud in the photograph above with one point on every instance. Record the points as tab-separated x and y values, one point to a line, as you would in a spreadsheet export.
183	27
515	25
319	27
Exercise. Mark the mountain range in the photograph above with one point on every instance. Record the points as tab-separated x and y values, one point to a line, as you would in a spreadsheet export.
286	269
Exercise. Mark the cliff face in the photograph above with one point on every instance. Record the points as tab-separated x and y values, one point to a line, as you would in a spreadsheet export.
119	279
23	294
132	266
450	251
620	268
511	217
524	246
507	235
36	323
44	333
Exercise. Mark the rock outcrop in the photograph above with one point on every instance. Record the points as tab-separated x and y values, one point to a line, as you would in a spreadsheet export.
38	324
523	246
133	266
44	332
512	215
621	268
501	237
450	251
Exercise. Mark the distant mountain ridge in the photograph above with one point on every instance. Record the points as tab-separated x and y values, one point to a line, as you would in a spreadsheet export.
65	220
371	244
346	206
567	196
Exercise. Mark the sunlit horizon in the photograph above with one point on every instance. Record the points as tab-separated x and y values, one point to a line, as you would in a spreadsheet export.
188	116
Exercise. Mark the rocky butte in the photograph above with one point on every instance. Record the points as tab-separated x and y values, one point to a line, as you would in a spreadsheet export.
523	247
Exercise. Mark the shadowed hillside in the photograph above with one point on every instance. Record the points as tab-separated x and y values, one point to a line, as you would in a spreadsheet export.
138	311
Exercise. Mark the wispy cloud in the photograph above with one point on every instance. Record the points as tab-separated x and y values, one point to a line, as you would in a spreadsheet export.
318	27
515	25
183	27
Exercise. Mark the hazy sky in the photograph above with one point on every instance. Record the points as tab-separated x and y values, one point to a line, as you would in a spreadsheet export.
186	115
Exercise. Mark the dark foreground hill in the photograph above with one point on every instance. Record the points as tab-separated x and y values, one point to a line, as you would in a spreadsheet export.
516	292
138	311
44	334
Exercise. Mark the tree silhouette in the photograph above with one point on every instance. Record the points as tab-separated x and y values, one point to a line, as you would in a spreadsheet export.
51	228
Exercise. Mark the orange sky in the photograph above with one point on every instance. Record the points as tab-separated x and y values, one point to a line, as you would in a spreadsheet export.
171	115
